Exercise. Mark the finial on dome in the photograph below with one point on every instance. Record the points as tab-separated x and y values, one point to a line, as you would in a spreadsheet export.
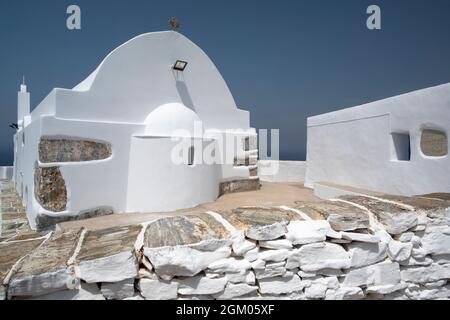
174	23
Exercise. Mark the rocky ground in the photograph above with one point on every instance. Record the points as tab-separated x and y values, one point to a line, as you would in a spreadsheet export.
354	247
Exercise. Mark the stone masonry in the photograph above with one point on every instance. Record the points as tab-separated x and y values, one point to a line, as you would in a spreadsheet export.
354	247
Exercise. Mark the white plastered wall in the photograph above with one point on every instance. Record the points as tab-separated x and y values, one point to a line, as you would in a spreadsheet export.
112	106
156	183
354	146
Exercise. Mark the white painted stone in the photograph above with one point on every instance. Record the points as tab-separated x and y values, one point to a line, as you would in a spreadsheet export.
276	244
345	293
136	297
310	231
247	277
87	291
317	256
316	291
361	237
241	245
316	288
416	241
114	268
422	222
270	273
434	272
386	289
441	258
280	285
406	237
200	285
145	273
412	262
306	275
293	260
275	265
213	275
196	298
252	255
158	289
273	255
330	272
258	264
267	232
399	223
418	293
436	240
230	265
118	290
233	291
340	241
364	254
436	284
327	282
186	260
399	251
381	274
418	253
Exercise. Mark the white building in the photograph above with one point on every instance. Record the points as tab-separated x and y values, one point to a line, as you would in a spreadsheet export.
111	143
397	145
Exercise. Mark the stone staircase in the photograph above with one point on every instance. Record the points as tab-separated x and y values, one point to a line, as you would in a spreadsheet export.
248	160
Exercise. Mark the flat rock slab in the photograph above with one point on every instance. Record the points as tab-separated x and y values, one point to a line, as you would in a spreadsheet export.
441	196
183	230
185	245
420	203
108	255
395	218
45	270
11	252
340	215
261	224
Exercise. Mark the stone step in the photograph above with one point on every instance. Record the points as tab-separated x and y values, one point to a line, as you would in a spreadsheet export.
242	185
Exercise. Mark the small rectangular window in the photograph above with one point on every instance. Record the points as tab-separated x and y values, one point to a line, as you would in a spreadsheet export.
191	156
247	143
401	147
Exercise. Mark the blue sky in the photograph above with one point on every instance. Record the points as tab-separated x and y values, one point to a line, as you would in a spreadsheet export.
283	60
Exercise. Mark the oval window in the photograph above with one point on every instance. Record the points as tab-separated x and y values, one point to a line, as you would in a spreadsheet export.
434	143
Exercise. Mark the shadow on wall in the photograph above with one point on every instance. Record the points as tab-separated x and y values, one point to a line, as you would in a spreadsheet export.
184	94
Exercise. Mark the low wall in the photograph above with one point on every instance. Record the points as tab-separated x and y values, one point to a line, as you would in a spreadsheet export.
6	173
357	247
282	171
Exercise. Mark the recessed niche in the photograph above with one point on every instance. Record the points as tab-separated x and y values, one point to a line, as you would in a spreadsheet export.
401	145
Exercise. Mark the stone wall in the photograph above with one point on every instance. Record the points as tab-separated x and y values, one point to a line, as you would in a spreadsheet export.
355	247
72	150
242	185
50	188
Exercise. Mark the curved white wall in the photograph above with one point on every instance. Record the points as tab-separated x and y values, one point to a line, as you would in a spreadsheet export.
138	77
155	183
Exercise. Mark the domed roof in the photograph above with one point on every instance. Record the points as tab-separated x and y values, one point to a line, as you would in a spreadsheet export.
171	119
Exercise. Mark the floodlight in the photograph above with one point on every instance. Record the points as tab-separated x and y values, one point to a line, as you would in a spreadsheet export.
180	65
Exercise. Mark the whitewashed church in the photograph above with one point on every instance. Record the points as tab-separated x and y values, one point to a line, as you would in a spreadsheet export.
107	145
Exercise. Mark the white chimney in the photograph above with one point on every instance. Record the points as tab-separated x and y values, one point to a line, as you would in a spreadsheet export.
23	104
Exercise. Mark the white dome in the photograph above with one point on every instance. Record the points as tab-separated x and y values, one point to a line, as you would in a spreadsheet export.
171	119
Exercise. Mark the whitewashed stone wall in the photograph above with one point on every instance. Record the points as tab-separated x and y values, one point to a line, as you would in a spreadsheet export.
355	247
